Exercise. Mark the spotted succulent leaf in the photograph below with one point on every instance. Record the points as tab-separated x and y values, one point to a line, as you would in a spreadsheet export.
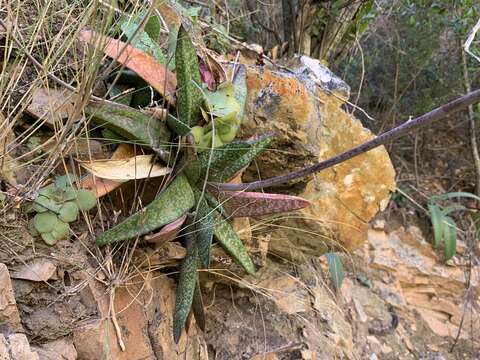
245	204
171	204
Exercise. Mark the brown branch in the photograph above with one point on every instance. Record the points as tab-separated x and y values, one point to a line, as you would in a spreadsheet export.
401	130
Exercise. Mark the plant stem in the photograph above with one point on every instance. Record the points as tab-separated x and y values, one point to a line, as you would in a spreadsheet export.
471	121
401	130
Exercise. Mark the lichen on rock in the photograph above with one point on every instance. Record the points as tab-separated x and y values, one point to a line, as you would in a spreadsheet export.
303	108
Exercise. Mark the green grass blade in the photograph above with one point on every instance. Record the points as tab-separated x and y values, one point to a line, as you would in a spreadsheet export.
171	204
186	288
189	96
335	268
228	238
450	238
437	224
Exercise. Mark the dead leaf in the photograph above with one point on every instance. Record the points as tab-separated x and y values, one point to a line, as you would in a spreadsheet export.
8	165
101	187
137	167
51	105
154	73
37	270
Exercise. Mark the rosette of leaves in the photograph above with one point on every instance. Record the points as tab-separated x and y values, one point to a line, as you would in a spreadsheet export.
56	206
209	153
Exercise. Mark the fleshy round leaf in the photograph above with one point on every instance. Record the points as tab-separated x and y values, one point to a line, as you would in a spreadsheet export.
45	222
60	231
68	212
85	200
43	204
49	238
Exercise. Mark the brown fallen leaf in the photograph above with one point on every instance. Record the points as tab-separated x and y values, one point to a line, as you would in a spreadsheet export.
8	165
37	270
51	105
154	73
137	167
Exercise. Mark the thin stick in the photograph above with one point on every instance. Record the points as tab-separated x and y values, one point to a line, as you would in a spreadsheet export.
114	320
401	130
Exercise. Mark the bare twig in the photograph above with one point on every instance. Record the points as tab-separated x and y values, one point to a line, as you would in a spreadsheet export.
401	130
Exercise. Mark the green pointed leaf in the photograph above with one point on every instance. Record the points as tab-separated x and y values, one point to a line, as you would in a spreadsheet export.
228	159
251	204
197	306
240	83
335	268
228	238
153	27
450	238
437	224
186	288
189	96
172	43
176	125
130	123
204	228
142	41
170	204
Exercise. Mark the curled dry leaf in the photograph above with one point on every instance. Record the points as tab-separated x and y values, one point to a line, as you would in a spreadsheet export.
168	232
154	73
101	187
137	167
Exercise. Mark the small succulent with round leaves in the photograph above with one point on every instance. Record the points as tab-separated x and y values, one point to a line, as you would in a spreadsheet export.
56	206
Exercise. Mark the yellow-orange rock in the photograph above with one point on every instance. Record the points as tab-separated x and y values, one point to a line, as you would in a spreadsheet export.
304	110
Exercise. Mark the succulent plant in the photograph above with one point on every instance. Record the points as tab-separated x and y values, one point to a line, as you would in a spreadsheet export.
57	205
210	121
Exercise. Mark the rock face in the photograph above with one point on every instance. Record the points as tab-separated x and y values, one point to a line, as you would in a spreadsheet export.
304	110
9	316
144	317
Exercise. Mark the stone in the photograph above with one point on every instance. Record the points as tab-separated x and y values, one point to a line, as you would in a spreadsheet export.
61	349
19	348
37	270
9	316
421	281
304	111
144	312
